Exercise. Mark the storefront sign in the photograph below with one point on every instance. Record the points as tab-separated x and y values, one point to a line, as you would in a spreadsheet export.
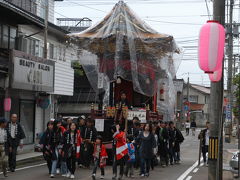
228	112
32	73
142	115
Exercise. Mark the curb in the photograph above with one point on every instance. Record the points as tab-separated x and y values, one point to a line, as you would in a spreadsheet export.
30	159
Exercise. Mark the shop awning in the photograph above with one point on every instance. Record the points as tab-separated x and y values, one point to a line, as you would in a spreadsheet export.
195	107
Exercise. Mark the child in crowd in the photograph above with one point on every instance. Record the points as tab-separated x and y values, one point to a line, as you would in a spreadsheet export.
100	157
131	160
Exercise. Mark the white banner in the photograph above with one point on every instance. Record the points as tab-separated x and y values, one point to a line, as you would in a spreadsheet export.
142	115
99	125
100	80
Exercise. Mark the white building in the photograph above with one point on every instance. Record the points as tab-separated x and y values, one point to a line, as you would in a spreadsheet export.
29	99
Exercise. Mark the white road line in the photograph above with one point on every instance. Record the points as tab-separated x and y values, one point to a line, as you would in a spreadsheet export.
28	167
195	170
184	175
188	178
33	166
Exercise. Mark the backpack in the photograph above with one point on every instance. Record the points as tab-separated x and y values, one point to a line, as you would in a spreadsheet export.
180	137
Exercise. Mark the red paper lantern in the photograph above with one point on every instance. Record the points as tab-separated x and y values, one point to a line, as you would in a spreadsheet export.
7	104
211	46
162	90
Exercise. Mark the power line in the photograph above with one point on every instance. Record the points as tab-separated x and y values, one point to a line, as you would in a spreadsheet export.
86	6
168	22
109	2
207	9
189	37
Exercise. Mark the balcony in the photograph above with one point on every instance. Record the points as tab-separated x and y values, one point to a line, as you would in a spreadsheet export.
27	5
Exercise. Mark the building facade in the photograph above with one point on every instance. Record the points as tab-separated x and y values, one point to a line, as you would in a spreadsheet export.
198	107
32	82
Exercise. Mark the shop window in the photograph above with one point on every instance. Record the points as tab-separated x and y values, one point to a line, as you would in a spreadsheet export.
0	35
13	35
5	39
193	99
206	99
51	51
37	48
41	54
32	46
42	9
28	5
7	36
27	119
62	53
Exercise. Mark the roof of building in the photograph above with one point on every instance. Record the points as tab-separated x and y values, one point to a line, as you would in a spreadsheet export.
203	89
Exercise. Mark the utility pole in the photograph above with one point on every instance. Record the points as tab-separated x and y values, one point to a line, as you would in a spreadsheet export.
216	103
188	87
230	66
187	104
45	50
45	29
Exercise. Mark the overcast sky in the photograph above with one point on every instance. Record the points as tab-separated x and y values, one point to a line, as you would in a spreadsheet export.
180	18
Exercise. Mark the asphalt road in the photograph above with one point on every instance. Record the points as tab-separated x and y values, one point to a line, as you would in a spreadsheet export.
189	156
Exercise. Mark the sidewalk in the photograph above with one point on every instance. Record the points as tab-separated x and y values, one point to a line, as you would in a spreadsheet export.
29	155
203	172
228	150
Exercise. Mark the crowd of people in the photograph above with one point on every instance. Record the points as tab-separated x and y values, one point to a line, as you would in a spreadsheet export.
66	144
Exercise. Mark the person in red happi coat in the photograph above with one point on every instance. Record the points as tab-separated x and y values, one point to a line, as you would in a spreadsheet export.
100	156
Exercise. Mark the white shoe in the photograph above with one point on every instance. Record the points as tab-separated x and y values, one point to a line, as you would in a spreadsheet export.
101	177
52	176
72	176
64	175
58	171
68	175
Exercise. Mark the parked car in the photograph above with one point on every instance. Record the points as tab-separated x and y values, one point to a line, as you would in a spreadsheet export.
234	163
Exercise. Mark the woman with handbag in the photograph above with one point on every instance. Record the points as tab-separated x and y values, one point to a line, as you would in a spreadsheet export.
147	143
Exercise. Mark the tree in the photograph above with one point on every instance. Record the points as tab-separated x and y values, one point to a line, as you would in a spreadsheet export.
78	69
236	82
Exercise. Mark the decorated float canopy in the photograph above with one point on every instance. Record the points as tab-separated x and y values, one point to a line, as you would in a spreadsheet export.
122	45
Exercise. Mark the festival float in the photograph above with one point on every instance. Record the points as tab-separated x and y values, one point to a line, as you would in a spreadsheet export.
122	53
